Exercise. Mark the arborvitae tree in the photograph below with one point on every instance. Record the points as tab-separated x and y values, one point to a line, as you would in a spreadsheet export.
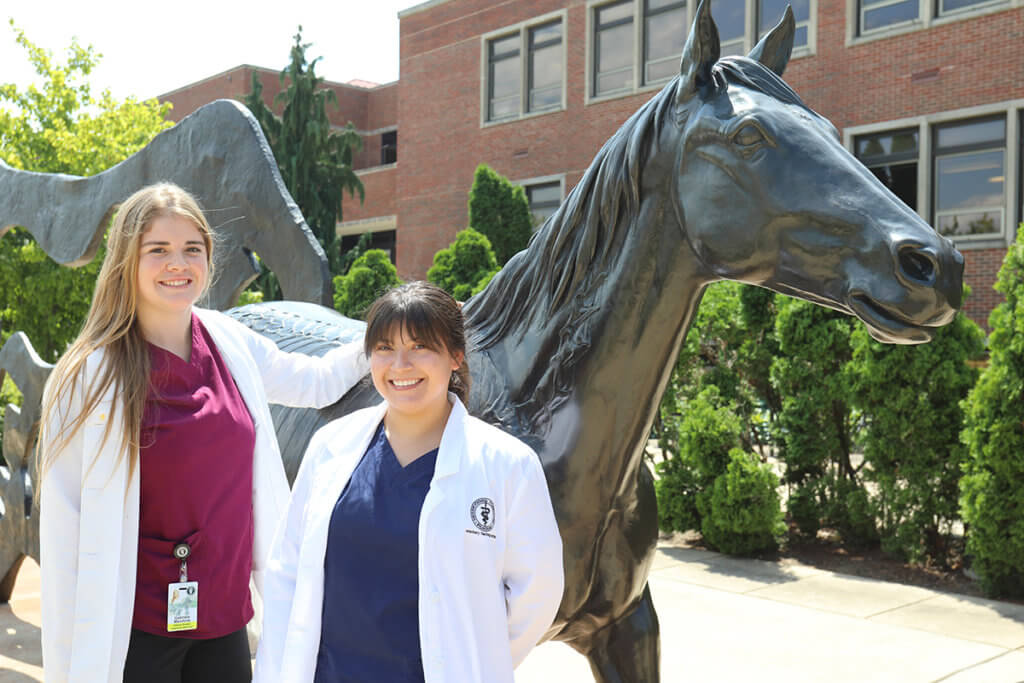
499	210
992	497
464	267
817	421
371	275
910	398
315	162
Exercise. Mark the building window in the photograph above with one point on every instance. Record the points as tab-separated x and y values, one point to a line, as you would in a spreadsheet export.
389	147
893	158
881	14
383	239
769	12
734	29
544	200
663	39
953	6
542	71
613	48
970	177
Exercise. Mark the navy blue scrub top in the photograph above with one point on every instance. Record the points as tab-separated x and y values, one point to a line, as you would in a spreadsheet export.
370	622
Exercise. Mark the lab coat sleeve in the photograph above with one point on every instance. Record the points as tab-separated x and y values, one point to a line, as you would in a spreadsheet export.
59	516
533	561
282	568
297	379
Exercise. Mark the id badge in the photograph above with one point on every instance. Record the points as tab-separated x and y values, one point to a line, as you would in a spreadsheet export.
183	606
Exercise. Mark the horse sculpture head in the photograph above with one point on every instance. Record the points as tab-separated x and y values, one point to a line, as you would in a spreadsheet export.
769	196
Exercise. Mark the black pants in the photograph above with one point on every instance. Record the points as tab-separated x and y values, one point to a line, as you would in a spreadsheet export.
159	659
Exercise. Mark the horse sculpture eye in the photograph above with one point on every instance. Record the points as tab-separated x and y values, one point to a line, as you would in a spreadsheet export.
748	136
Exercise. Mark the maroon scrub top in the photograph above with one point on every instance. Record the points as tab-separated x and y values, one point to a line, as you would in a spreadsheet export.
196	467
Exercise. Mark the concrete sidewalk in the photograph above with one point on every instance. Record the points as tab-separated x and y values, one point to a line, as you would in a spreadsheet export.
727	619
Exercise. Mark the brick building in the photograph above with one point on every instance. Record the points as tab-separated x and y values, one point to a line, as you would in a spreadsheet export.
928	93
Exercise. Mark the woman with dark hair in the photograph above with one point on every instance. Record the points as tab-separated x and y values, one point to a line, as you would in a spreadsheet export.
419	543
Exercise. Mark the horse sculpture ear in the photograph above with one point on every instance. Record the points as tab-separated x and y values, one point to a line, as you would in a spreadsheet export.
700	53
774	49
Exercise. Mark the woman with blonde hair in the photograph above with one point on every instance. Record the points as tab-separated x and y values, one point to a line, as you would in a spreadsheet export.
161	478
420	542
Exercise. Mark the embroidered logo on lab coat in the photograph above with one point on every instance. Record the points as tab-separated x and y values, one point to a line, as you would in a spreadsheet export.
482	514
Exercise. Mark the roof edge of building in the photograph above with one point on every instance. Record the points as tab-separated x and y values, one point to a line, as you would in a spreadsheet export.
420	7
210	78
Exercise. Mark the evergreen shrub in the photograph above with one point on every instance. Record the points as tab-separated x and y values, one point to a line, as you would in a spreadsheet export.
742	514
992	494
371	275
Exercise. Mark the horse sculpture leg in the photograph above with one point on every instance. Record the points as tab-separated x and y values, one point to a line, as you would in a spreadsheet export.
628	650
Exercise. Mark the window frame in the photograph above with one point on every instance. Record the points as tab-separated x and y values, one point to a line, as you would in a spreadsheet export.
751	9
527	183
1013	187
525	62
929	14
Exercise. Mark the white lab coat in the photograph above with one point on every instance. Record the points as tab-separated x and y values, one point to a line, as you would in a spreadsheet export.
486	593
89	518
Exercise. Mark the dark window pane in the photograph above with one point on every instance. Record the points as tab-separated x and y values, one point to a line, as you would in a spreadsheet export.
504	88
506	46
886	15
542	34
660	4
664	35
730	16
770	12
800	36
969	180
972	133
903	142
614	59
901	179
953	5
545	67
385	239
610	13
544	199
970	223
389	147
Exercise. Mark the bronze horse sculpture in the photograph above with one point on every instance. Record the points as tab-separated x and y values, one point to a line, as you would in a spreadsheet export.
724	174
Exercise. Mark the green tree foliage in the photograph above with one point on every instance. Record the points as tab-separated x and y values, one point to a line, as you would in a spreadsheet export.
910	397
58	126
315	162
465	266
992	497
705	430
816	420
742	515
371	275
730	345
499	210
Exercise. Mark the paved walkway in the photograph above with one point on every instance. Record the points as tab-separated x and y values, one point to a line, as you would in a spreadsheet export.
727	619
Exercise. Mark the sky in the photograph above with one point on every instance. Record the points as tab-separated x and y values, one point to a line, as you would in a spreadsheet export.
148	52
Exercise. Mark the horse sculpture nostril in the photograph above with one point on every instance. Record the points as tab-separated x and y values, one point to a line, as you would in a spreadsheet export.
918	265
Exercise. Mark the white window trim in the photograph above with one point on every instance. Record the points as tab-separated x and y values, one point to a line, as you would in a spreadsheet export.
1011	109
750	39
522	28
926	18
364	225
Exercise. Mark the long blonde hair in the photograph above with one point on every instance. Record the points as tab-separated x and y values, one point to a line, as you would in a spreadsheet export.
111	325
